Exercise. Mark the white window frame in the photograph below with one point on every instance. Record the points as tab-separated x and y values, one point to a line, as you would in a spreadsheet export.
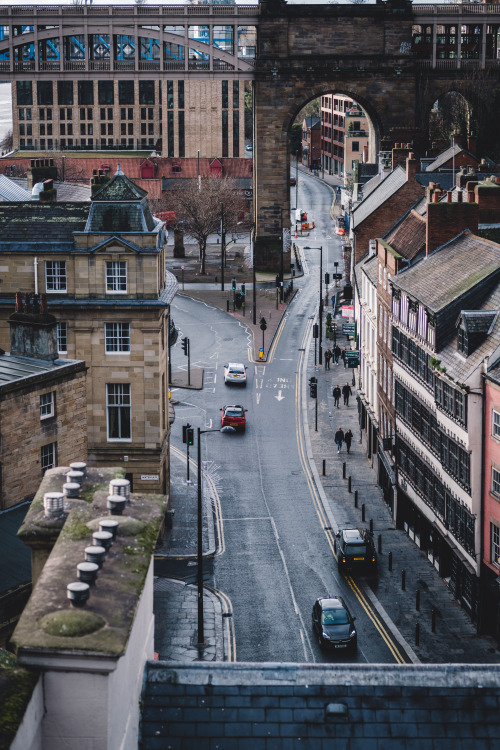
56	277
116	272
118	396
48	457
495	544
47	405
495	423
495	481
62	337
117	338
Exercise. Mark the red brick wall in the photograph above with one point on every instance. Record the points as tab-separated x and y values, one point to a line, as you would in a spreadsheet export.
487	194
446	220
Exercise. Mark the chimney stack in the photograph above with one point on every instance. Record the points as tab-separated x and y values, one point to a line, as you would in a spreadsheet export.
33	333
446	219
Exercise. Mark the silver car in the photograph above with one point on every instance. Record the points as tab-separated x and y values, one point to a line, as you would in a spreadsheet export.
235	374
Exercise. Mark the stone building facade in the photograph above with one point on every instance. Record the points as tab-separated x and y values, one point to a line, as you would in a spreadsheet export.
102	267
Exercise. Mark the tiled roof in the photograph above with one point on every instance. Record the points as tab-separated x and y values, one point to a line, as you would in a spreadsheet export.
369	268
119	188
446	180
11	191
392	183
447	155
450	271
15	556
408	237
66	191
120	217
478	321
33	222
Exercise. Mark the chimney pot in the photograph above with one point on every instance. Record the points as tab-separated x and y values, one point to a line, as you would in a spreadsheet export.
470	196
87	572
435	196
77	593
120	487
79	466
96	554
71	489
107	524
103	539
75	476
116	504
449	196
460	196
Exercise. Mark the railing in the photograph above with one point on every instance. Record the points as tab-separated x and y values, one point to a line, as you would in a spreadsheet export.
130	10
449	10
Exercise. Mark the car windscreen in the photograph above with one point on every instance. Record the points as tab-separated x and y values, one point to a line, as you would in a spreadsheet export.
355	549
233	413
334	617
239	370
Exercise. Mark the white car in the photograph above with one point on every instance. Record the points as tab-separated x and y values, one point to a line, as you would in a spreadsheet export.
235	374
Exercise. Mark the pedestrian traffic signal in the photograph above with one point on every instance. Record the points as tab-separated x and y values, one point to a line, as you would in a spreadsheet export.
313	387
263	324
185	345
327	279
243	289
233	284
187	434
315	331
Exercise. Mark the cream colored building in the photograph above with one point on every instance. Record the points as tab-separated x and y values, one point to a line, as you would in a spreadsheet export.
102	268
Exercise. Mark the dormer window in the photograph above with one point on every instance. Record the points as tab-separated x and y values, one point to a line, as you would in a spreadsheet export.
462	341
473	328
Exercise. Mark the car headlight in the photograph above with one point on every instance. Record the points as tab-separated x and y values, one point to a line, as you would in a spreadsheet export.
352	633
326	636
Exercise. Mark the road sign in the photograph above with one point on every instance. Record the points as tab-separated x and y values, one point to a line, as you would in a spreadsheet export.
336	276
347	311
349	329
182	268
352	359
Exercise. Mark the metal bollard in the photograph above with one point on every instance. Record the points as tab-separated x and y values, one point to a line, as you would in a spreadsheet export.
227	305
403	580
371	525
433	621
379	544
324	467
348	484
417	634
390	560
355	498
363	512
343	470
417	600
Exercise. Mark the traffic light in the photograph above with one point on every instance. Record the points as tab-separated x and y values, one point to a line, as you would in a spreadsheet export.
243	289
187	434
263	324
315	331
327	279
313	387
233	284
185	345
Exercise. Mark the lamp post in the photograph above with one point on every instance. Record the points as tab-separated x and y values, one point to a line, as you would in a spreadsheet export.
320	353
223	246
201	630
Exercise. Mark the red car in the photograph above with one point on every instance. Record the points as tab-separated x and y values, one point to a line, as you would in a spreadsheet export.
233	416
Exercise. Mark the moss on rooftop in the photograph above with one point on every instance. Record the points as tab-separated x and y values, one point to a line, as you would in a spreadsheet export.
70	623
16	689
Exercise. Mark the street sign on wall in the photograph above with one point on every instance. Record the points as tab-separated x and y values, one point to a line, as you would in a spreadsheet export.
352	359
348	311
349	329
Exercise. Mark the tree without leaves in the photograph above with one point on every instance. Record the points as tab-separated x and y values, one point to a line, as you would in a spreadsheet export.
7	141
199	211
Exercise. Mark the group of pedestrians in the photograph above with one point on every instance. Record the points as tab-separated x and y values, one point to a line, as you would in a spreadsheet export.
343	437
336	354
346	392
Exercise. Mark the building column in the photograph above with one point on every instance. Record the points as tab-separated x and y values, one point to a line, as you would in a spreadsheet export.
434	45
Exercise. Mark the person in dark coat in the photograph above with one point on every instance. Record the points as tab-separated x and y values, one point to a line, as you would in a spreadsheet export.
336	353
343	356
346	392
336	396
328	356
348	440
339	439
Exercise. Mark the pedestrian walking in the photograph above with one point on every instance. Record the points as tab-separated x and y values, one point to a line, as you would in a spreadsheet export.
344	356
348	440
336	353
346	392
328	357
339	439
336	395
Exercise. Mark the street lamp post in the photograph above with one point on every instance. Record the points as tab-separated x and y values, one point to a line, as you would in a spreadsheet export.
320	352
223	246
201	630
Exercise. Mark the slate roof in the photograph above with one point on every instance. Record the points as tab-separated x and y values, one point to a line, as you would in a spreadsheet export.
407	238
11	191
41	223
120	206
262	706
447	155
312	123
445	179
369	267
66	191
384	190
478	321
15	556
450	271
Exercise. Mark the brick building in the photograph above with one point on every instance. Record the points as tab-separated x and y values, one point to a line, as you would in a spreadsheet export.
102	266
490	575
175	117
311	142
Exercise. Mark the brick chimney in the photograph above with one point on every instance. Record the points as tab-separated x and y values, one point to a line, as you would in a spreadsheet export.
33	333
400	153
412	166
472	144
445	220
487	195
458	139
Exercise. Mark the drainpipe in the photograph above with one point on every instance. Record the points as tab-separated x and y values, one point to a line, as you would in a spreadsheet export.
482	588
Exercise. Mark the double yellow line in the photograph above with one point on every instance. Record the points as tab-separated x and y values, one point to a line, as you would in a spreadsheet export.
360	596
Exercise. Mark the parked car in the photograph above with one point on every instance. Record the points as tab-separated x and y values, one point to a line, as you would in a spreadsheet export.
333	624
293	181
355	550
249	147
233	416
235	374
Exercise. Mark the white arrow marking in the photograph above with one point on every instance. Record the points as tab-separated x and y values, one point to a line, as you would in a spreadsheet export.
279	396
258	398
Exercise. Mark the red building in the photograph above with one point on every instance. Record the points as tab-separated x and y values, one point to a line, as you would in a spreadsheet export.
311	142
491	505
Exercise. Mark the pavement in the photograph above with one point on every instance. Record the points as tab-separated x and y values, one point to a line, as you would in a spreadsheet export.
454	639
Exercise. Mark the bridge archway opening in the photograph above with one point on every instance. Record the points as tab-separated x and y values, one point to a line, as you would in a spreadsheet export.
451	113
